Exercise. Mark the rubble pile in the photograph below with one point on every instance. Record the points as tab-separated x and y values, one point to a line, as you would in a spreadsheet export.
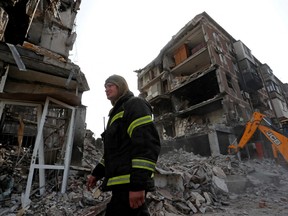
195	184
191	183
186	184
93	150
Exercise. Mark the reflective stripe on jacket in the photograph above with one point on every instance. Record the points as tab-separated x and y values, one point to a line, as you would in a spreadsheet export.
131	146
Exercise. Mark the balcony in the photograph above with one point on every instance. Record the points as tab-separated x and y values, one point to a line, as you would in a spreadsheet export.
252	80
197	61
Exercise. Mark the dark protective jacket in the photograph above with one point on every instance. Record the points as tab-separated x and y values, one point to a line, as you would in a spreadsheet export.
131	147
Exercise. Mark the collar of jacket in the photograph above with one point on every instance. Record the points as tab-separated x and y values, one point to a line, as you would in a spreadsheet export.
119	103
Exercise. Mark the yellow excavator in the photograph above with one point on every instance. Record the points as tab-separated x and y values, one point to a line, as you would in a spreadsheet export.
279	141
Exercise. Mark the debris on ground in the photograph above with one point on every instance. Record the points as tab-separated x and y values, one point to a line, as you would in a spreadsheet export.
187	184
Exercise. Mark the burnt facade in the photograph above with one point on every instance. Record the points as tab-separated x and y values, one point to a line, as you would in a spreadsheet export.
203	85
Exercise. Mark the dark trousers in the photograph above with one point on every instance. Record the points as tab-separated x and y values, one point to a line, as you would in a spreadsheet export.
119	205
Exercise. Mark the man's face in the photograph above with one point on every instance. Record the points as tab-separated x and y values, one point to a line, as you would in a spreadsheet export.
111	91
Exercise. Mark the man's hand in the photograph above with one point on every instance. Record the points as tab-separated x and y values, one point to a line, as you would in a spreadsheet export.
136	198
91	182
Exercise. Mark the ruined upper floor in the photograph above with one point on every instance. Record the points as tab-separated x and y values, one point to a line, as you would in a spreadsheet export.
45	23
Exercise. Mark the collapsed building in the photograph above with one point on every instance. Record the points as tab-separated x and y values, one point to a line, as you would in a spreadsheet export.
40	88
204	86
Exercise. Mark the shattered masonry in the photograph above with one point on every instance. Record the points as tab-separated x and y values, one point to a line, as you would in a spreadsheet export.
40	88
204	86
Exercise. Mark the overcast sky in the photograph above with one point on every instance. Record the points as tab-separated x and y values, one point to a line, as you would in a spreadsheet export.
119	37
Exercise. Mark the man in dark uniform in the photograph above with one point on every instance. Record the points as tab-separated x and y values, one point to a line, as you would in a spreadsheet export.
131	150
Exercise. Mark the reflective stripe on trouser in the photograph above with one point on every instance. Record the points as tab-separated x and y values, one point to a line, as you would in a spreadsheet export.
143	164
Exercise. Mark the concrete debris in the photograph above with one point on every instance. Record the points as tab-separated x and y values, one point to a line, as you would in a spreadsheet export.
187	184
219	184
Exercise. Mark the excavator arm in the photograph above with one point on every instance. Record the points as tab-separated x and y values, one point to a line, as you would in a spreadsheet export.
250	129
279	142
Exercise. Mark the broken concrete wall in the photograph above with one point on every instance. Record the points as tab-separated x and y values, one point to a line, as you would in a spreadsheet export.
36	73
34	82
198	144
189	125
223	54
49	24
202	82
154	90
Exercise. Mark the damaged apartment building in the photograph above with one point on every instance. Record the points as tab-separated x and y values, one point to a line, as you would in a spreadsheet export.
204	86
40	88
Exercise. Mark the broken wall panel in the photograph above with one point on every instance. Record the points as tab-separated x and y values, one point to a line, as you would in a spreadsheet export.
32	82
53	26
197	145
38	62
190	125
49	24
195	124
33	76
39	35
33	86
154	90
55	39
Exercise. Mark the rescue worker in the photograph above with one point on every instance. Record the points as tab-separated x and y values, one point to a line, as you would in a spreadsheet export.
131	149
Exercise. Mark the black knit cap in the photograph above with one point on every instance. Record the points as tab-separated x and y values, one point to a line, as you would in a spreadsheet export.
120	82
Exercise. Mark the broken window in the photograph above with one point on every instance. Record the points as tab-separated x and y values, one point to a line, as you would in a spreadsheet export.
19	127
168	131
229	82
193	93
